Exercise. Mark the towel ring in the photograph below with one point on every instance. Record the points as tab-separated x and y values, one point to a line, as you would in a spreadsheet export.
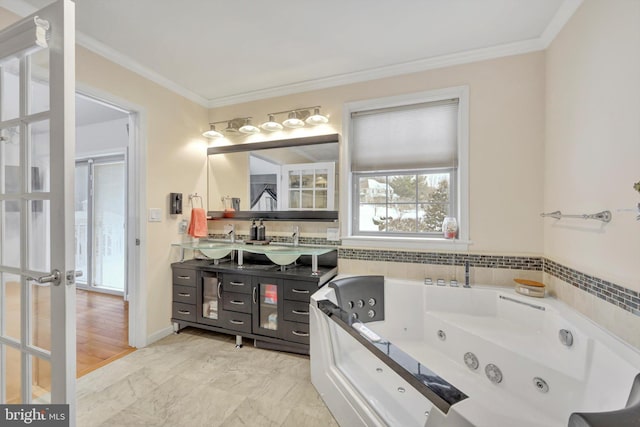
195	196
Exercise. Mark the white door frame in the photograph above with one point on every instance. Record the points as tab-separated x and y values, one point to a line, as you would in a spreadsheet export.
136	206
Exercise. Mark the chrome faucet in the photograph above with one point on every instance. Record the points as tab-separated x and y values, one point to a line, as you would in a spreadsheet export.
466	274
232	233
296	236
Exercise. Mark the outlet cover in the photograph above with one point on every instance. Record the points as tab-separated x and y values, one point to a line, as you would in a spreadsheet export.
333	234
182	226
155	214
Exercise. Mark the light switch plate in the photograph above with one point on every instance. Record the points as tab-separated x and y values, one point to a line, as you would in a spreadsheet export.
333	234
155	214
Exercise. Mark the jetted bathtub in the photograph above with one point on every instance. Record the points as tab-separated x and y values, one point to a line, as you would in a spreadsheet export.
401	353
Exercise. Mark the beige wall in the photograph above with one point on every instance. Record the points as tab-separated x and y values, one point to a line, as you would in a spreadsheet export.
175	162
592	150
506	140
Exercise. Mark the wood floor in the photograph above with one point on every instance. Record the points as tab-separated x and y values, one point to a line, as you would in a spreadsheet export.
101	335
102	330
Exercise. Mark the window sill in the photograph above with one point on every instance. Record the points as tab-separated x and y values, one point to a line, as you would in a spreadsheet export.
406	243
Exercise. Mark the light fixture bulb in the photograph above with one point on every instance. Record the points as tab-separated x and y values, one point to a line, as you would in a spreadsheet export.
248	128
317	118
271	125
293	121
212	133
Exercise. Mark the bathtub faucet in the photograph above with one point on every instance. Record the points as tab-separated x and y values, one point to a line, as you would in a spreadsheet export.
466	274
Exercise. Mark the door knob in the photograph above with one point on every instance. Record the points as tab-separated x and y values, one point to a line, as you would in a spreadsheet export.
54	278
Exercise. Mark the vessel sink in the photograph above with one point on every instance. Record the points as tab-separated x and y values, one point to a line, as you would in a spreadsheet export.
214	251
282	255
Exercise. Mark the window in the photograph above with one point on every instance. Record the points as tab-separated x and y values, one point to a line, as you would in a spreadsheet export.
408	164
404	202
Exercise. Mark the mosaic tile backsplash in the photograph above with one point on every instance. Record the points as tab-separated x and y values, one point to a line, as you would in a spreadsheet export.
619	296
624	298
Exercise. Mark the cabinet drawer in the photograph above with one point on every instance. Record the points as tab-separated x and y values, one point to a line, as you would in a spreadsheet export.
296	311
183	276
299	291
234	301
184	311
240	322
296	332
236	283
184	294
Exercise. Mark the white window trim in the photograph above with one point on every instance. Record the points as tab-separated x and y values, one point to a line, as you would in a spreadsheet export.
346	213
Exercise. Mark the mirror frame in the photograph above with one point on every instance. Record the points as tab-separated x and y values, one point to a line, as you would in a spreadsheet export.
289	215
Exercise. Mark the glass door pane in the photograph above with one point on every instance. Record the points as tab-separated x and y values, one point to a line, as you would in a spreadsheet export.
266	311
82	216
109	225
210	297
10	308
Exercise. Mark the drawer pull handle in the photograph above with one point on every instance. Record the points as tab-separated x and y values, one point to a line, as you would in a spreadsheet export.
184	312
236	302
184	294
184	277
236	283
302	313
255	295
236	322
299	291
300	334
219	283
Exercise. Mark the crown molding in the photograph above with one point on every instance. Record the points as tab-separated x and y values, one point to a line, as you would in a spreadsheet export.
130	64
22	8
475	55
563	14
18	7
559	20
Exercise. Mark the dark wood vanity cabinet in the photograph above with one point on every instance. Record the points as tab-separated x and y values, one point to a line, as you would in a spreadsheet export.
184	294
271	307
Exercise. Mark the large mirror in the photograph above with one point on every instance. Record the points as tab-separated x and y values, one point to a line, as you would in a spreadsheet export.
292	179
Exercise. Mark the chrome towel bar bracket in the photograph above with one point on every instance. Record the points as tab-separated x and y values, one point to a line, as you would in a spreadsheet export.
604	216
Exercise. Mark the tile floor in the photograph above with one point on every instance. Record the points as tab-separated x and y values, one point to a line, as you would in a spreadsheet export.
198	378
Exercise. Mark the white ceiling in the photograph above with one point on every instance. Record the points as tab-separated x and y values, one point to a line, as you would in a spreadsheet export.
219	52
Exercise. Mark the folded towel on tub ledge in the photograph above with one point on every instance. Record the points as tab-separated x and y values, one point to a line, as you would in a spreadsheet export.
198	224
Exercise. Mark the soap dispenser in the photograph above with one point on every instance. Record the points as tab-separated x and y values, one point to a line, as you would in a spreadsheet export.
261	232
253	231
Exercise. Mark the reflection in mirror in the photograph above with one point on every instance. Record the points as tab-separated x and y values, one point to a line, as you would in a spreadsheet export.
291	178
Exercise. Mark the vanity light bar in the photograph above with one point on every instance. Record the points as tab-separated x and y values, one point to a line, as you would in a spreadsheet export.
296	118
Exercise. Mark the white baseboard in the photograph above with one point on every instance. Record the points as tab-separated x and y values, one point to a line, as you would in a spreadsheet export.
158	335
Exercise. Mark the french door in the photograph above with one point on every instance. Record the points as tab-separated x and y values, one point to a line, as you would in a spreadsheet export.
37	275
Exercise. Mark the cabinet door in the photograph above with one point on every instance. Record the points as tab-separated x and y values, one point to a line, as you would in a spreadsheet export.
267	307
209	299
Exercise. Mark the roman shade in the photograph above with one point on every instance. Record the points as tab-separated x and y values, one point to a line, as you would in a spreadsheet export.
417	136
